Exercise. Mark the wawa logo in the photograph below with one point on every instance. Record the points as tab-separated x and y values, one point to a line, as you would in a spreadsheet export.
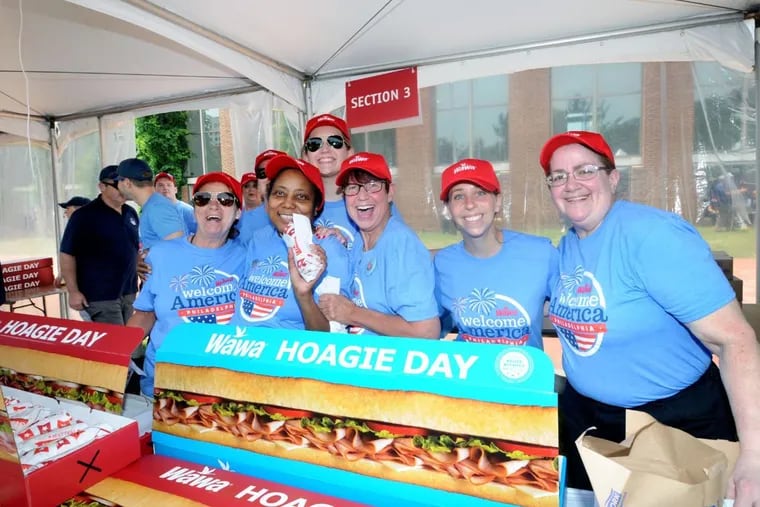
464	167
197	479
358	158
326	118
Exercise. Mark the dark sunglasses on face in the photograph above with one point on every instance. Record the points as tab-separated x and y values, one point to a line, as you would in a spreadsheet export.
113	184
314	143
225	199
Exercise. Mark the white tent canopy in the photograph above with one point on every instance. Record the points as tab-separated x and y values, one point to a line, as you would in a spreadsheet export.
66	59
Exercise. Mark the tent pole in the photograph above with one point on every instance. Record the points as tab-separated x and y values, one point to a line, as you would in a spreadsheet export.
63	300
757	161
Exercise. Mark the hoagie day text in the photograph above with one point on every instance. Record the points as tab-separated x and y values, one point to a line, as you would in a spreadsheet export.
411	362
50	333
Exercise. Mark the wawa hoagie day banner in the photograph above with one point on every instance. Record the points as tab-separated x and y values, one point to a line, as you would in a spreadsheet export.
384	421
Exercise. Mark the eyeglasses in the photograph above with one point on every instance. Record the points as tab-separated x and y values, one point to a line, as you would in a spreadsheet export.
580	173
113	184
225	199
371	187
314	143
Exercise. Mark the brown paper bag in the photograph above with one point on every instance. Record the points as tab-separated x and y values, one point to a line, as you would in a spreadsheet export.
657	465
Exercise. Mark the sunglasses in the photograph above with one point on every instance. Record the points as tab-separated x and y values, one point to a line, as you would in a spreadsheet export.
314	143
113	184
225	199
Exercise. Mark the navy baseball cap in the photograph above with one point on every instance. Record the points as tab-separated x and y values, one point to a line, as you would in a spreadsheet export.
135	169
108	173
77	200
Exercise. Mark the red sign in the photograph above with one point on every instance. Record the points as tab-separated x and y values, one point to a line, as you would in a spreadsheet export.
384	101
210	486
106	343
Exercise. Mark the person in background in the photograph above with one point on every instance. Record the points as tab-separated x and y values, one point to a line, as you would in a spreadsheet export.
159	217
493	284
272	292
640	307
251	196
99	254
326	145
70	207
195	278
257	217
393	283
165	184
73	204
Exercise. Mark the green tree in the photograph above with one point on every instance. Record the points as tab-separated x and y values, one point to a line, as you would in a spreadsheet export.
161	141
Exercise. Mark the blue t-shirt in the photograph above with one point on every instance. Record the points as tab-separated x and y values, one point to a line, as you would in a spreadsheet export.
159	218
395	277
188	215
251	221
499	299
621	300
266	296
187	284
104	243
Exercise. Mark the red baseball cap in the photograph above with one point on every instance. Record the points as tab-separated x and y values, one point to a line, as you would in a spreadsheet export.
373	163
591	140
282	162
470	170
264	156
223	178
246	178
168	176
327	120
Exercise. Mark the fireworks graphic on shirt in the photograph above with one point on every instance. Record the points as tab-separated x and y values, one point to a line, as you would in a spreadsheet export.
324	222
271	264
178	283
459	305
482	301
573	280
203	275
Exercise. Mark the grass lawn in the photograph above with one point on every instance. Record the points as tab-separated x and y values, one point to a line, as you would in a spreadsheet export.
739	244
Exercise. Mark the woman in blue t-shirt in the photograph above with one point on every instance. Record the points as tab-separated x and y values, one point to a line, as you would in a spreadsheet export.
640	306
272	291
493	284
393	283
193	278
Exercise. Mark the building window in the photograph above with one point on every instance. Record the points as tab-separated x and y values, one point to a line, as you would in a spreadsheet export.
471	120
381	141
205	142
604	98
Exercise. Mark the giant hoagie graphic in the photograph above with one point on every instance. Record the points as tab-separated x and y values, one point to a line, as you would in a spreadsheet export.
506	452
489	461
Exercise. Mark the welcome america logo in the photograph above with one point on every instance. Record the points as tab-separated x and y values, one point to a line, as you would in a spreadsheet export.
578	312
265	289
487	317
205	295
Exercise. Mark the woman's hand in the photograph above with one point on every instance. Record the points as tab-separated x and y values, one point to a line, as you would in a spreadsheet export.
336	307
322	232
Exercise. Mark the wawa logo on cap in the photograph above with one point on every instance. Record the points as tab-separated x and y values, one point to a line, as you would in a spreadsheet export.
325	118
358	158
464	166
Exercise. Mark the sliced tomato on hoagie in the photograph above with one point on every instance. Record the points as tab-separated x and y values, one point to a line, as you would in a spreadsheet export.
387	430
529	450
285	413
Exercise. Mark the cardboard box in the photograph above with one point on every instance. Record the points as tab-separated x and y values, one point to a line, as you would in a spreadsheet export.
318	381
40	355
25	280
64	477
27	274
158	480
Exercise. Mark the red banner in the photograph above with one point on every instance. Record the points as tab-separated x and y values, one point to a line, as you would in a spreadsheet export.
213	486
106	343
383	101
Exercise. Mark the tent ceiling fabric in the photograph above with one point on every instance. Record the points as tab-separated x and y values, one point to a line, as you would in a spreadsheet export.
93	56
